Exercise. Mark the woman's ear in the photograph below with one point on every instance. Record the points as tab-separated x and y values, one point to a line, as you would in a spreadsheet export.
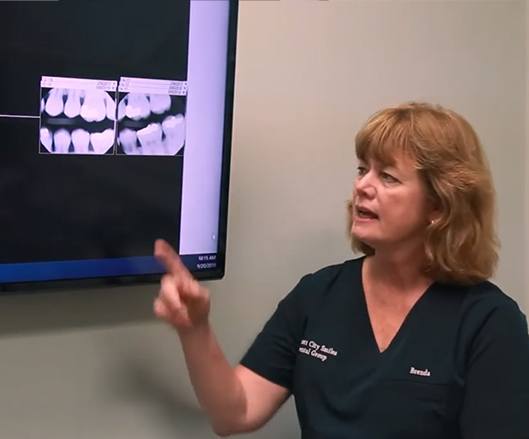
435	212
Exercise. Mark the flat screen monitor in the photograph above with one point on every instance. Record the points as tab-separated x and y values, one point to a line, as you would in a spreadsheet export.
115	130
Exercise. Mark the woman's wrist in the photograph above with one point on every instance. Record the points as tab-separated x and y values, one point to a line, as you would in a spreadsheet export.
191	335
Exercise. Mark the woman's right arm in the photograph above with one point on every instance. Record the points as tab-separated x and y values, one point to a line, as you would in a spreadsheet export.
235	399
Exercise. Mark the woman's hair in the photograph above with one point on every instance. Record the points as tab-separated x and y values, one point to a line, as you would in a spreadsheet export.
460	245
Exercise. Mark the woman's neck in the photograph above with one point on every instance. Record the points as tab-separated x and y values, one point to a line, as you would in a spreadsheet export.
398	270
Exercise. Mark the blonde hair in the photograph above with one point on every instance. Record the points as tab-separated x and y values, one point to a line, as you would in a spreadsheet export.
460	246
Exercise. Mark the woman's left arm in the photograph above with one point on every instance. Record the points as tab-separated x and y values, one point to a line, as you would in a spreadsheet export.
496	401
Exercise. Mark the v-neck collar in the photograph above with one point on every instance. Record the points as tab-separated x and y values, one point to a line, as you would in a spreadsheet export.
405	323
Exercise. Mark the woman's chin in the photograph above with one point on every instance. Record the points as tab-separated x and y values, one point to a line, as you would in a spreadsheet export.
362	231
365	238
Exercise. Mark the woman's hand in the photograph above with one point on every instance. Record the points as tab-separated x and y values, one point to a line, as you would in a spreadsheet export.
236	400
182	301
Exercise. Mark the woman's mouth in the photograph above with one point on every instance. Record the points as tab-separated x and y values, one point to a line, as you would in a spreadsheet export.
365	213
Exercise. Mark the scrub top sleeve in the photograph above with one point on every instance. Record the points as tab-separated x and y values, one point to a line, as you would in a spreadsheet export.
273	353
496	401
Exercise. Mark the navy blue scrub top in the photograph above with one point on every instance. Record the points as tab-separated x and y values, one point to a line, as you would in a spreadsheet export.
457	368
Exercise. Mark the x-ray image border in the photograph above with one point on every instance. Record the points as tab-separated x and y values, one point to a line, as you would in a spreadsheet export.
151	124
77	121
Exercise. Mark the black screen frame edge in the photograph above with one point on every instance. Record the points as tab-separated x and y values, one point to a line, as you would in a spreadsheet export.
210	274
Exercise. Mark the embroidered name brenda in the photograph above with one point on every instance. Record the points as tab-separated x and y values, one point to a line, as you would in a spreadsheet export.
423	373
313	349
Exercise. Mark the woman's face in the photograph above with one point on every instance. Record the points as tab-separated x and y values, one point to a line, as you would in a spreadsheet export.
390	204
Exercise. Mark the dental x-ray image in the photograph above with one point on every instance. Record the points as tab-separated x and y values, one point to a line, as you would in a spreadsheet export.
151	124
77	121
151	116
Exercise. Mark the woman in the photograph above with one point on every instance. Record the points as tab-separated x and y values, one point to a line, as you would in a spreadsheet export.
409	341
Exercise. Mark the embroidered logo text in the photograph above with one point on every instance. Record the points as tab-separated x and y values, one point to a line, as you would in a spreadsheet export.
313	349
420	372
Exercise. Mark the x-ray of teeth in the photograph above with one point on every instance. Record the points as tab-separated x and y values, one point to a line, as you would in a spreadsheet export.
174	130
151	124
54	104
77	121
72	107
138	106
150	139
102	142
92	105
80	116
46	138
111	107
166	138
128	141
81	141
135	106
61	141
159	103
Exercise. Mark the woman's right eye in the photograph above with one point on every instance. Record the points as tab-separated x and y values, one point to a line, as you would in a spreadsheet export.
361	170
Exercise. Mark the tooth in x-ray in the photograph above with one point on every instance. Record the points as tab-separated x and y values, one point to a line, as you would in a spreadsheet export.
46	138
174	130
127	138
111	107
159	103
80	141
150	139
93	108
72	107
61	140
54	104
102	142
121	108
137	106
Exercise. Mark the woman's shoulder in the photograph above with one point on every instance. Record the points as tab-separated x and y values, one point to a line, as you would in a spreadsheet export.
332	278
485	306
489	296
347	271
485	294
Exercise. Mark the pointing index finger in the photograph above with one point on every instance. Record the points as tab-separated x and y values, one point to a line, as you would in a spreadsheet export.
169	258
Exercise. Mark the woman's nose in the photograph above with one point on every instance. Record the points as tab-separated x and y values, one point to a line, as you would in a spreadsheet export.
364	186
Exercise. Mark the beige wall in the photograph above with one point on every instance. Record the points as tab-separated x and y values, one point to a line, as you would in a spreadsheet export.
94	364
526	158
